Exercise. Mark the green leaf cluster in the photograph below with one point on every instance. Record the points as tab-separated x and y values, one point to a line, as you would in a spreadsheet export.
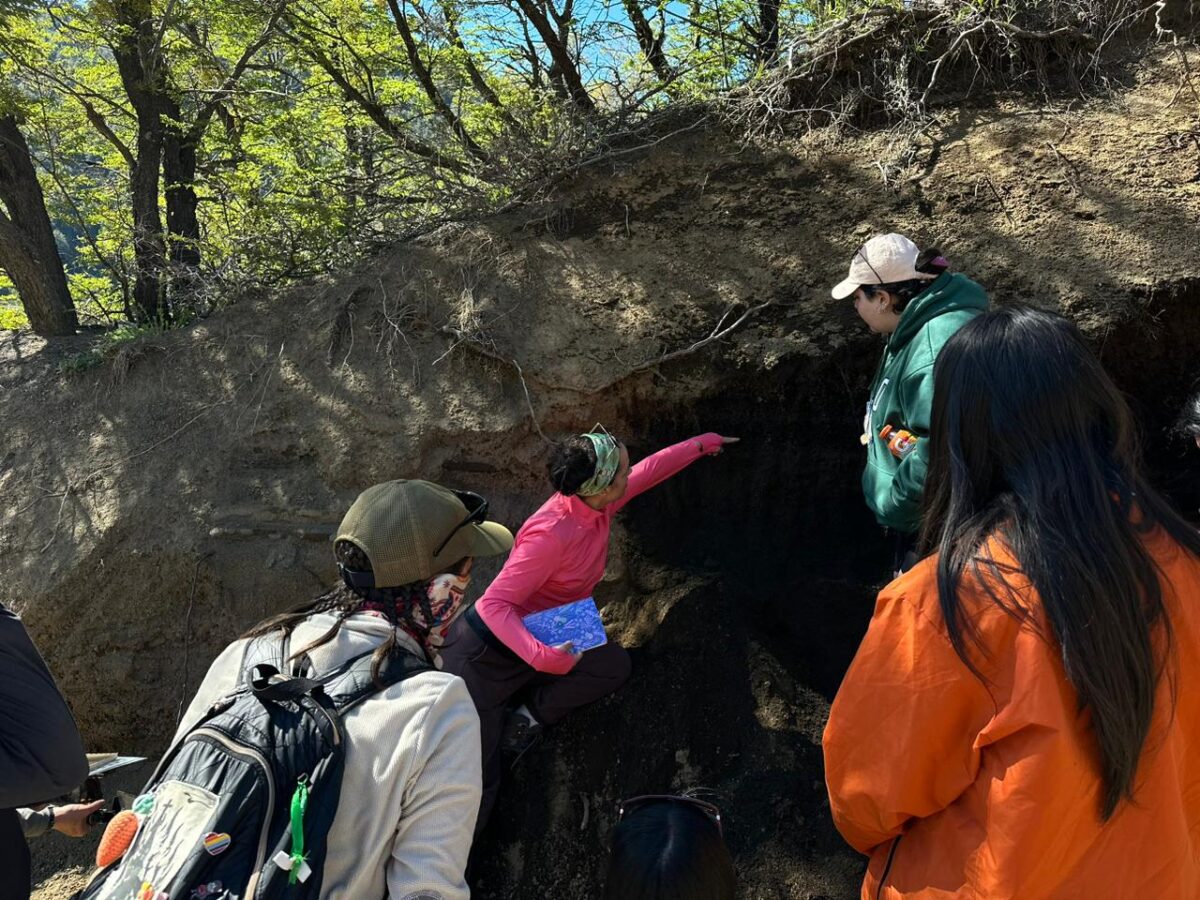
322	128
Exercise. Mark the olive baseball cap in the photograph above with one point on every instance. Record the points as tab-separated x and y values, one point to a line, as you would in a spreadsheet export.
400	524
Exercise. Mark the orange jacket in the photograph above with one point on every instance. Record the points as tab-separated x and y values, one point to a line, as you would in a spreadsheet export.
957	789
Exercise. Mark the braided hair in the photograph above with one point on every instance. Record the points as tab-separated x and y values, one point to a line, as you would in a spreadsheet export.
343	602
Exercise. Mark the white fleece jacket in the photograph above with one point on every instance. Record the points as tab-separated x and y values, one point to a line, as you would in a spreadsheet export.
411	787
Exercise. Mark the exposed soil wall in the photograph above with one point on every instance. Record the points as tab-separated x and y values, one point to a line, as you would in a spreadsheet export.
157	506
757	575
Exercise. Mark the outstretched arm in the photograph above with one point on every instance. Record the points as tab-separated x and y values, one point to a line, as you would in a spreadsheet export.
660	466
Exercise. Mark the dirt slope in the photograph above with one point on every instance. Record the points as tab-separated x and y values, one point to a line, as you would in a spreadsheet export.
156	506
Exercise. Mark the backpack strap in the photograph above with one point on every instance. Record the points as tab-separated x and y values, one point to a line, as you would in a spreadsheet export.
267	674
268	684
353	683
269	649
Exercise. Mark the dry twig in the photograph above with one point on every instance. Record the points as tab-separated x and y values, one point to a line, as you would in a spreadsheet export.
995	193
529	401
401	313
1070	170
716	334
187	638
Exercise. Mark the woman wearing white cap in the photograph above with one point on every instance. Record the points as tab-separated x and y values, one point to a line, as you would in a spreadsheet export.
914	300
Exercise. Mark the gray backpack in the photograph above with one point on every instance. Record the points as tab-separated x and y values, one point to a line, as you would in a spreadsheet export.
242	804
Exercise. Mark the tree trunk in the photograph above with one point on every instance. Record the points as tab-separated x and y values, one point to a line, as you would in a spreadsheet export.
652	47
564	65
181	145
183	221
135	48
28	251
149	247
768	32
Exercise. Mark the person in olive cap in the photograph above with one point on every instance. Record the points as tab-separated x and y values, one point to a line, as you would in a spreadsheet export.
411	786
913	300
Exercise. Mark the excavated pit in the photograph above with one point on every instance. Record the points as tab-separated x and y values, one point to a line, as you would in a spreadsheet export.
748	582
741	588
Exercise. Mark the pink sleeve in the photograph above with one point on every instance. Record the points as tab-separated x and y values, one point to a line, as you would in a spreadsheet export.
502	605
660	466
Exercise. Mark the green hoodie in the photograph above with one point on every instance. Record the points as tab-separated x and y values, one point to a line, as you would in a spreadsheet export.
902	396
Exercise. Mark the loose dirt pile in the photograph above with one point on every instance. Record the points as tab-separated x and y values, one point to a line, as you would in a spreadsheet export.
158	505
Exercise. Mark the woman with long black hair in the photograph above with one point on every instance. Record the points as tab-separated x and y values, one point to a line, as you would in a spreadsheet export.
1017	721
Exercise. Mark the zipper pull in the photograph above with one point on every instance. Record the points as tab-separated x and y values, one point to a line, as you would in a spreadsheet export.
298	870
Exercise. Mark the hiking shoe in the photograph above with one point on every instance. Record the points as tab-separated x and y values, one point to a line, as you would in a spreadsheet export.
520	733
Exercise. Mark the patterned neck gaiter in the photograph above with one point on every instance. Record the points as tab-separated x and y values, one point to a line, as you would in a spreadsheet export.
424	611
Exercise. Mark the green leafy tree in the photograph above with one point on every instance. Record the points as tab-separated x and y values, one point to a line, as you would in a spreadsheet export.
28	252
187	150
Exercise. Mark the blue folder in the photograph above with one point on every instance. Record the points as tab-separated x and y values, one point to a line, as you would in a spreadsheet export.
577	622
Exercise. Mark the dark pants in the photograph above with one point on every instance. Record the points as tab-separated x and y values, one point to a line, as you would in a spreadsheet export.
14	858
906	553
498	679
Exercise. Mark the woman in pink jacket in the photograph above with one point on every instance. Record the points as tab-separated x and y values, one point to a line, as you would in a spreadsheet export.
558	558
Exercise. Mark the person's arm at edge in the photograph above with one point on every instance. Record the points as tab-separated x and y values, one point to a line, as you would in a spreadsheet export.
35	822
532	561
900	740
70	819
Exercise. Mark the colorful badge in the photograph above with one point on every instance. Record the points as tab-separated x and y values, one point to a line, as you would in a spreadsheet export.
216	843
206	890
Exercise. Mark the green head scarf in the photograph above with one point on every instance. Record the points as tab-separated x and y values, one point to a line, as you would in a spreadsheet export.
608	460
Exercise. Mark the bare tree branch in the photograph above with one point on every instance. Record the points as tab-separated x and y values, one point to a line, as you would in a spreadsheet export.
425	77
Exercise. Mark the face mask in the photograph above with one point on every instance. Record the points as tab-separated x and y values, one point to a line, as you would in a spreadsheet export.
444	595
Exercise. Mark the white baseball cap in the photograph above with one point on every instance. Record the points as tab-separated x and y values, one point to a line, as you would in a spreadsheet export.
884	259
